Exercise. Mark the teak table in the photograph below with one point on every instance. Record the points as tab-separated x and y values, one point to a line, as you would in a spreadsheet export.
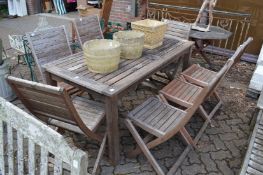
111	87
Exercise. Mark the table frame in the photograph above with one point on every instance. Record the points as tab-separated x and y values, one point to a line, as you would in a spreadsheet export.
111	94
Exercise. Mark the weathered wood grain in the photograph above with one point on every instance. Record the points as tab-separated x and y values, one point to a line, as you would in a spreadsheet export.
38	134
48	45
88	28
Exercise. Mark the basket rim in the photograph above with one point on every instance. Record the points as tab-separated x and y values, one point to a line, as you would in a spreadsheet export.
116	44
140	35
142	23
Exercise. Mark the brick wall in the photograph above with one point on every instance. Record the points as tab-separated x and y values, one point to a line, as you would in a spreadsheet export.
122	11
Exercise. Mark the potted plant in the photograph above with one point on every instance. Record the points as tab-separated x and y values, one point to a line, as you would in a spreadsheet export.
5	90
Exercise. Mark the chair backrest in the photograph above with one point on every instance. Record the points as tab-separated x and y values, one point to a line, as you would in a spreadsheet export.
230	63
23	139
48	45
88	28
48	102
177	29
240	51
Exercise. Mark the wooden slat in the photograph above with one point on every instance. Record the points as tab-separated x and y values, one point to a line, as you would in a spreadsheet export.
36	95
140	107
41	135
253	171
31	157
58	167
173	121
10	148
255	165
88	28
44	161
2	148
256	158
20	153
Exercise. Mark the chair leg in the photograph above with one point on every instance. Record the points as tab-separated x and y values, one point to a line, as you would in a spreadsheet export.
187	137
187	150
204	113
133	153
100	155
143	147
218	105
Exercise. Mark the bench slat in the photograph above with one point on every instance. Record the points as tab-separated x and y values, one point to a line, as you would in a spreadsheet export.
31	157
58	168
20	153
44	162
10	148
2	164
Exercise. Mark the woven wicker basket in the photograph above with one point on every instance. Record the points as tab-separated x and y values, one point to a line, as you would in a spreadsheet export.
102	56
131	43
154	32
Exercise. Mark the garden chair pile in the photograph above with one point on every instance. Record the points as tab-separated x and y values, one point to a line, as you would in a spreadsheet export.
253	161
162	121
156	116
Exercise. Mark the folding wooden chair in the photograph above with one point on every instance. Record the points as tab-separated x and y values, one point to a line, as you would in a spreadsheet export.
49	45
185	94
179	31
54	106
162	121
88	28
201	77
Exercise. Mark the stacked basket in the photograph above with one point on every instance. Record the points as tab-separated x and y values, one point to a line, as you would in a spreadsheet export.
154	32
102	56
131	43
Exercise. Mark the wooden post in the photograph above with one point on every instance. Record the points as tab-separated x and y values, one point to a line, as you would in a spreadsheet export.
1	52
113	129
105	12
143	9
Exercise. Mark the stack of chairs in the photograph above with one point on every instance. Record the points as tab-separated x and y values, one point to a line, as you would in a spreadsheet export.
161	117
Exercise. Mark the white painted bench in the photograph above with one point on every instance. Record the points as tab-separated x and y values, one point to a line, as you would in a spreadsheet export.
28	146
253	161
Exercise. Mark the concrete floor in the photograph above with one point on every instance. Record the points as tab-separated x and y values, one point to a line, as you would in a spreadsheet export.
21	25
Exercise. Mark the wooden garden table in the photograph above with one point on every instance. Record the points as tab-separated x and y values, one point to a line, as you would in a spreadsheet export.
111	87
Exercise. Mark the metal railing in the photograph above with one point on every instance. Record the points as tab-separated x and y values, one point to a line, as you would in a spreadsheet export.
237	23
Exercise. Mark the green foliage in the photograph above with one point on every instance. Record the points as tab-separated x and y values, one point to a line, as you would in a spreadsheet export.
3	11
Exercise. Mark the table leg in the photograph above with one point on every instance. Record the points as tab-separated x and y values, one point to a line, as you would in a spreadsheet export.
187	59
200	48
49	79
113	129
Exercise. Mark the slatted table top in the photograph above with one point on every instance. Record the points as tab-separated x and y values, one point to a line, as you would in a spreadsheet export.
74	69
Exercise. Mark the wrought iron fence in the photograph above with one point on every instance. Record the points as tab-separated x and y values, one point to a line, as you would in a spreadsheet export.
237	23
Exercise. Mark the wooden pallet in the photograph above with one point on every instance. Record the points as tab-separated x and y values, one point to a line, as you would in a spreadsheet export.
252	93
253	162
